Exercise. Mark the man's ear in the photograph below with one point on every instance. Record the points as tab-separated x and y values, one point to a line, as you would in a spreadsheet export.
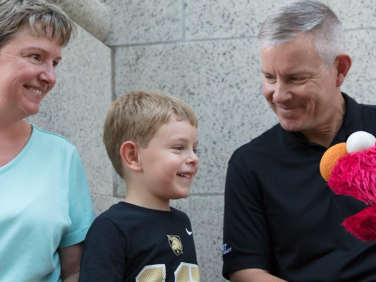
343	64
129	155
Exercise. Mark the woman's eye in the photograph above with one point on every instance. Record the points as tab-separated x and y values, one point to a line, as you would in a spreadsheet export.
179	148
54	64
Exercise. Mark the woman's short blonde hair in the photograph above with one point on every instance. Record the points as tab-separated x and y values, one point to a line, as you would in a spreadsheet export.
44	18
136	117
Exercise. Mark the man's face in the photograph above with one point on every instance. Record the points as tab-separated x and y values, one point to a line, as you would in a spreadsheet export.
299	87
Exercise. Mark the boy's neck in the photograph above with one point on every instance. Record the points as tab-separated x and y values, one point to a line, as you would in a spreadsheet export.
147	202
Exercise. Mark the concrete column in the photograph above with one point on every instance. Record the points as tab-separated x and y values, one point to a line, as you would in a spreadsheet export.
91	15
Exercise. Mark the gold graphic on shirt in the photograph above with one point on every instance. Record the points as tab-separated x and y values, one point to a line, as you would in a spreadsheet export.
175	243
187	272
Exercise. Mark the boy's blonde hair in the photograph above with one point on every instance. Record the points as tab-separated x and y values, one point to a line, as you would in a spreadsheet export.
136	117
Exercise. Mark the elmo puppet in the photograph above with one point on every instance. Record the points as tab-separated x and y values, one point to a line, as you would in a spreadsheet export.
350	170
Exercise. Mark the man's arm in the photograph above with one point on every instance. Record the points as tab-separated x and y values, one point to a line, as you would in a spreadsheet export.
253	275
246	240
70	262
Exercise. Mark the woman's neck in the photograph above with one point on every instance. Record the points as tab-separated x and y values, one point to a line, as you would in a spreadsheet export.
13	139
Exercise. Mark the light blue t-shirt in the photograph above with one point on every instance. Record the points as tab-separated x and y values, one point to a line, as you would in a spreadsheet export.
45	204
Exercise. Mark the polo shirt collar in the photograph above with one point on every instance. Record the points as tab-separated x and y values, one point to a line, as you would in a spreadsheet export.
352	122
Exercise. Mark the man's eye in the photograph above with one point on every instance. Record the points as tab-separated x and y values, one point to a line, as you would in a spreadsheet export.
269	78
54	64
298	79
36	57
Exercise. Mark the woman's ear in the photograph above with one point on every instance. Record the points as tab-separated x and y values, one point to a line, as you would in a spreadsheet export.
343	64
129	155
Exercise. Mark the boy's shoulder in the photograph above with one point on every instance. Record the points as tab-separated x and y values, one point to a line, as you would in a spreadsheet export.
116	211
179	213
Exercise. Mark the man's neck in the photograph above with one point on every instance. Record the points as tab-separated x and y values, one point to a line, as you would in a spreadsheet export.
325	134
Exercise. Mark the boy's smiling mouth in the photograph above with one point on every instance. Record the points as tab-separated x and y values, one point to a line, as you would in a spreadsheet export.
184	175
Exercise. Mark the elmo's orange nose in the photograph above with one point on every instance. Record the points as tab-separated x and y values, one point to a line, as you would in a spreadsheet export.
330	159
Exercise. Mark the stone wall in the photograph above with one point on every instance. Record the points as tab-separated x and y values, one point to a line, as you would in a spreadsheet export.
77	106
204	52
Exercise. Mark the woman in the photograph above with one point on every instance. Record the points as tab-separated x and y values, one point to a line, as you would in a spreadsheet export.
45	204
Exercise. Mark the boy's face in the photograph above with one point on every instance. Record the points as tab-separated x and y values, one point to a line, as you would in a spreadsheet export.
169	163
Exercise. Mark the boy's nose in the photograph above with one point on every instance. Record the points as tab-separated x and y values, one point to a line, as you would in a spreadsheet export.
193	158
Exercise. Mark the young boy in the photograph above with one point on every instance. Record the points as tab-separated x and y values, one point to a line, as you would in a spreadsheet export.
151	140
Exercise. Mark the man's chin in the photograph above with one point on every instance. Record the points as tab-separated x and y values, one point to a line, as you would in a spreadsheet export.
291	126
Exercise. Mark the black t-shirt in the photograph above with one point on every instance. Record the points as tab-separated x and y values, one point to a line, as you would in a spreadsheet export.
281	216
132	243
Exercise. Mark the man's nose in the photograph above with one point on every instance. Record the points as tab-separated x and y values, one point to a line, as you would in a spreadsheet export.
281	92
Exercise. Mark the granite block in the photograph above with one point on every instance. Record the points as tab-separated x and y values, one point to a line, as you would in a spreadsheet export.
103	203
226	18
91	15
207	226
76	107
144	21
221	80
355	14
119	185
361	80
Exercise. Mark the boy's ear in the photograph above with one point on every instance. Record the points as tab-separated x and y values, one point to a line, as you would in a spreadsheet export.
129	155
343	64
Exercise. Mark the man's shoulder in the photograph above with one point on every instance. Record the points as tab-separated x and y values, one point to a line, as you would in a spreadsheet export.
368	108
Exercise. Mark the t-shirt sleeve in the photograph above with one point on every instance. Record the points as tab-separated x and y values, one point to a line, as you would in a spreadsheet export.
246	239
81	211
104	253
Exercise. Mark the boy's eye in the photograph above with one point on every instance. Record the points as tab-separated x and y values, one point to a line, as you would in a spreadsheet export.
178	148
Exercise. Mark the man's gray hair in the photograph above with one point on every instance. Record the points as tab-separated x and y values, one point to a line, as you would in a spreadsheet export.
286	22
44	18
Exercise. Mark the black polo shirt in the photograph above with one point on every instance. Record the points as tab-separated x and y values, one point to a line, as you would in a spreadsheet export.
281	216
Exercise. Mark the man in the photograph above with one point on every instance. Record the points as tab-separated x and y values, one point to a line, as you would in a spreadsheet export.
282	222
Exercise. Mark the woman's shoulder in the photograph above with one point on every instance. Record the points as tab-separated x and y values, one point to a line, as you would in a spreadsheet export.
48	138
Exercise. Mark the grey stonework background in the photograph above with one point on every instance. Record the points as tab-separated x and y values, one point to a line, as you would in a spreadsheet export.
204	52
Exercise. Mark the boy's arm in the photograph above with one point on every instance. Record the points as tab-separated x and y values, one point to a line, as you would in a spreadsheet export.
104	253
253	275
70	262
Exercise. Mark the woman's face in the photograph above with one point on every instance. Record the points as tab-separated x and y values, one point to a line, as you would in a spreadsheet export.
27	68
